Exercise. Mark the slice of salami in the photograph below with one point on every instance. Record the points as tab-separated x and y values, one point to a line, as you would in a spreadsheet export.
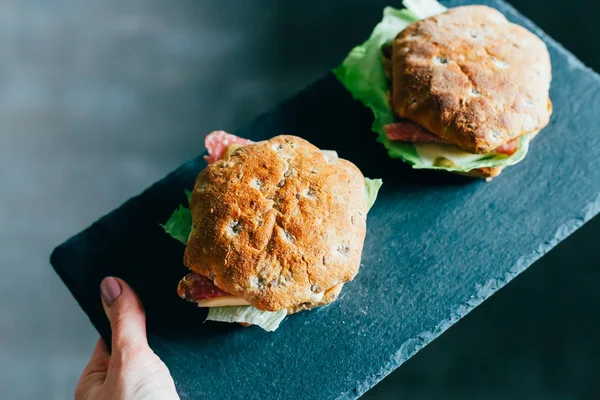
194	287
407	131
216	143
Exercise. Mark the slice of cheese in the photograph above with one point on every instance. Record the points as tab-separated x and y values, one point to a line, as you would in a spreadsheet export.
223	301
230	149
316	297
330	155
430	153
449	155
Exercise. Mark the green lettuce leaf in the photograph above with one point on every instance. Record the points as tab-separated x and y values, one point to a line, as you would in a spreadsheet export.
371	189
451	158
424	8
362	70
363	76
179	224
267	320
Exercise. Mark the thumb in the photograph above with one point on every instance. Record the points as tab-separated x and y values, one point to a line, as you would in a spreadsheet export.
126	315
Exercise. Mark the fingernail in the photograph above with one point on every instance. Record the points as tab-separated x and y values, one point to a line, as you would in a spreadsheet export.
110	290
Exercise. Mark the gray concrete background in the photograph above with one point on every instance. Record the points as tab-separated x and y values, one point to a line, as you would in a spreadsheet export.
98	99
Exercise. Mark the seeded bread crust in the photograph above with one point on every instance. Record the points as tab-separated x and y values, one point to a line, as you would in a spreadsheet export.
329	296
472	78
278	223
485	173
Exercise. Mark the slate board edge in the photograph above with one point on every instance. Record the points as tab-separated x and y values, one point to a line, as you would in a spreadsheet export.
482	293
64	248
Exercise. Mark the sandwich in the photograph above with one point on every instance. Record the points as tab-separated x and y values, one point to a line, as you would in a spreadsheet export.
461	90
273	228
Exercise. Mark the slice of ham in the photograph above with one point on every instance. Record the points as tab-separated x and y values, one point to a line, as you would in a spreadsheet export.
408	131
194	287
217	142
508	148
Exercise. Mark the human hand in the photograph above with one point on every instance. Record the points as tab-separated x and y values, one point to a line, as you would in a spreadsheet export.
132	371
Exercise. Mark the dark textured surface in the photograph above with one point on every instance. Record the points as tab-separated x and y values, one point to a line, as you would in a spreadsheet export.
449	244
534	339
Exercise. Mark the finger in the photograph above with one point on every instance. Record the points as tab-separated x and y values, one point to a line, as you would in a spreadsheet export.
126	315
99	360
95	371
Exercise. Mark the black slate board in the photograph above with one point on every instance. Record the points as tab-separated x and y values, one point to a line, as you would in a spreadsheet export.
437	246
